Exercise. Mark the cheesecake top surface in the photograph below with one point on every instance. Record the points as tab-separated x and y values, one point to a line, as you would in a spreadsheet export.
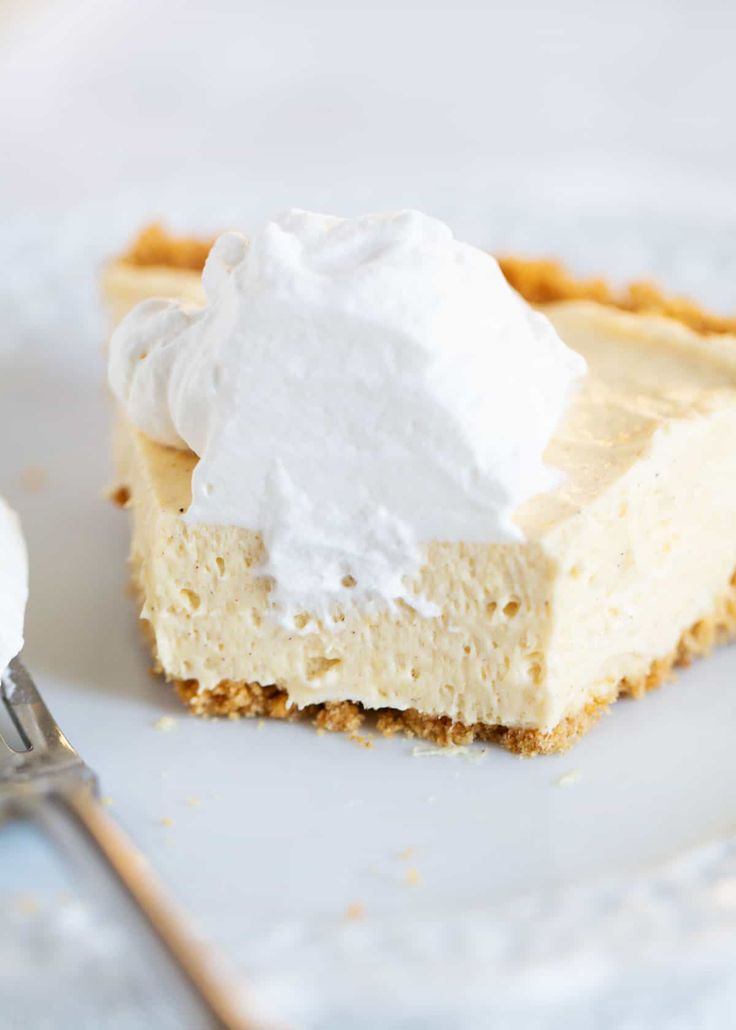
652	359
645	372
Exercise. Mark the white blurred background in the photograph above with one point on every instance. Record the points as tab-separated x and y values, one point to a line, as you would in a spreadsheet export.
602	132
569	127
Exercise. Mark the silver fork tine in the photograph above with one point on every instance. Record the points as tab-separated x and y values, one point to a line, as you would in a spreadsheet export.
32	719
6	751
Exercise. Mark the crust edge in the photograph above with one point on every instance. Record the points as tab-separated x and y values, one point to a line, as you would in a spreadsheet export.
539	281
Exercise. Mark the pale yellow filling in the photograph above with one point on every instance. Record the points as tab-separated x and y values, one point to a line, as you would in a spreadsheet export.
632	549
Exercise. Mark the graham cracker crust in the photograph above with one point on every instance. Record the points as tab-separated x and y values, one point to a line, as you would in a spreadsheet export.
154	245
539	281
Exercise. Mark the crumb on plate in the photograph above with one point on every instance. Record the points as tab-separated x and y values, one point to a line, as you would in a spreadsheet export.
34	478
165	723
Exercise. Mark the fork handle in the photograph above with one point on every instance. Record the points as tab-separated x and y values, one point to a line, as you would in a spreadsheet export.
73	814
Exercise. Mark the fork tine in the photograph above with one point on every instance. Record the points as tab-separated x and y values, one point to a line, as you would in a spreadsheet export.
6	751
51	784
32	718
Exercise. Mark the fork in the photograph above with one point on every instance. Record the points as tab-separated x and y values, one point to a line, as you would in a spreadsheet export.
48	782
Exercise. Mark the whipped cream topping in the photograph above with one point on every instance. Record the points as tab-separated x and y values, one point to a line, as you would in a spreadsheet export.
354	388
13	584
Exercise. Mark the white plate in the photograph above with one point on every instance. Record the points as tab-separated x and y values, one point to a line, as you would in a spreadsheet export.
277	831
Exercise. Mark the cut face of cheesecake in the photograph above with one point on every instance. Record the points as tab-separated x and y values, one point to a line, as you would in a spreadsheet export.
625	569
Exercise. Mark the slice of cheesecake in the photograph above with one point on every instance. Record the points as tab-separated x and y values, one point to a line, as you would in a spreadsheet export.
626	568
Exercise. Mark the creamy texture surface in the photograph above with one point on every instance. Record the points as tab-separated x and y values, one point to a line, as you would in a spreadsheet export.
354	389
13	584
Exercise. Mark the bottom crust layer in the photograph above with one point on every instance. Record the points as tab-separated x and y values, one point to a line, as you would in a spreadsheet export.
251	700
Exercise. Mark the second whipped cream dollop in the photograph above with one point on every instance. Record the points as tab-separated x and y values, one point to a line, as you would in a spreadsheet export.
354	388
13	584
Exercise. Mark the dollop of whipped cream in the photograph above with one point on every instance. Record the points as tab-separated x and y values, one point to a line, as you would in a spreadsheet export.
13	584
354	388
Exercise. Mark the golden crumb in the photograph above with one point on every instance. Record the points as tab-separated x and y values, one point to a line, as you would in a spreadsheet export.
413	877
355	911
34	479
154	245
358	738
120	496
570	778
341	717
406	854
166	821
194	802
165	724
